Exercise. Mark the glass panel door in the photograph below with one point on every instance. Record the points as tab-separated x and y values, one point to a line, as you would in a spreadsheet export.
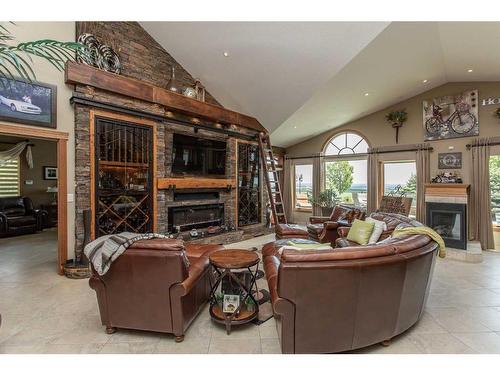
123	177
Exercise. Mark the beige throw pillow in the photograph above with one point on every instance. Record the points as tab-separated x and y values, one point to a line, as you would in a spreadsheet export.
378	228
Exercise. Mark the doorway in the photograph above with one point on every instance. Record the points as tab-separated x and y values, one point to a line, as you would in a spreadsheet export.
54	194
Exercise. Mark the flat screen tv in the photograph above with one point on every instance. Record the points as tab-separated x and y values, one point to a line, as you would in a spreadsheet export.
193	156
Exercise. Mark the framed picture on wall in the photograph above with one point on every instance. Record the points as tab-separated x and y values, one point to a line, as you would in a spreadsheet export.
50	173
31	103
450	160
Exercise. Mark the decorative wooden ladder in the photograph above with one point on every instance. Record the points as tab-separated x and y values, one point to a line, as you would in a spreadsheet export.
272	179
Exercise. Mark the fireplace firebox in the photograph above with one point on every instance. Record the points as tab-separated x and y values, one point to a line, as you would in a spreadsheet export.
185	218
449	220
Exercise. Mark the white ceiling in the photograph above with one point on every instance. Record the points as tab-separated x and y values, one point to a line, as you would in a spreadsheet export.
272	67
301	79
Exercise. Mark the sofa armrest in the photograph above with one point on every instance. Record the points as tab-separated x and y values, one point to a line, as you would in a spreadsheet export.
330	225
195	273
4	224
318	219
343	231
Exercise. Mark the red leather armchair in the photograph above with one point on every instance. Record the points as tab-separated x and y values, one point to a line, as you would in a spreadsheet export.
156	285
324	229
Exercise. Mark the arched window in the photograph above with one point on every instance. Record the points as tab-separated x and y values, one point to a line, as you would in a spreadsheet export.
346	143
345	167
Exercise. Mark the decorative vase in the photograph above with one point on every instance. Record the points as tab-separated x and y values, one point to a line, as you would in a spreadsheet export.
173	85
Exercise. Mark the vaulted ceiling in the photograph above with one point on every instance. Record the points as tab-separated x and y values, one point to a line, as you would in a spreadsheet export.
301	79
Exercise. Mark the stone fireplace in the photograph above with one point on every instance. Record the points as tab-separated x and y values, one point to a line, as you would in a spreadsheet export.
449	220
446	212
200	216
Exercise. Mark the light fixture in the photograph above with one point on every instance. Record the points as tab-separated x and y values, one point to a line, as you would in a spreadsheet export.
367	93
425	81
469	70
295	127
226	54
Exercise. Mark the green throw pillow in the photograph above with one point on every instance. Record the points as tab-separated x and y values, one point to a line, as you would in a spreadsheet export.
360	231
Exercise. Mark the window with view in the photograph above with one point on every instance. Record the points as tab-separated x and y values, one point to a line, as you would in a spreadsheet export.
402	174
9	178
303	186
346	168
495	189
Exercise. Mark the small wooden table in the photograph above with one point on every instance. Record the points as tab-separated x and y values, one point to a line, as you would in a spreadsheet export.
225	265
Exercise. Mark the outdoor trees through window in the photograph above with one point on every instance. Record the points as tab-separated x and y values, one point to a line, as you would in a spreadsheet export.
495	188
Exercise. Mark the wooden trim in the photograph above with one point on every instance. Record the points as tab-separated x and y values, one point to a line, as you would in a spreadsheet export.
195	183
62	203
447	190
30	131
93	113
62	181
92	173
80	74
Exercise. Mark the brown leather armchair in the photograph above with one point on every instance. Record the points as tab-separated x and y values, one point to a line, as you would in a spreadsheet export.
324	228
156	285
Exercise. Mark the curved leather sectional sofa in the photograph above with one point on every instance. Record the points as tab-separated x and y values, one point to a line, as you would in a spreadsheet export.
329	301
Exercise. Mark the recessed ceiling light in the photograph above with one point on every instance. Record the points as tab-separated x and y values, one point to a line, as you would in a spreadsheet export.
367	93
469	70
295	127
226	54
425	81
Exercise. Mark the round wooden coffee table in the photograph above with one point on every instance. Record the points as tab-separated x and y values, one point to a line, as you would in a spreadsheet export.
232	287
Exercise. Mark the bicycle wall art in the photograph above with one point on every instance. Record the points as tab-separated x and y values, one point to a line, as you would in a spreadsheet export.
451	116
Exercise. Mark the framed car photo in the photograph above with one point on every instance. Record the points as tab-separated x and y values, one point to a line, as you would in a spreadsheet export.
30	103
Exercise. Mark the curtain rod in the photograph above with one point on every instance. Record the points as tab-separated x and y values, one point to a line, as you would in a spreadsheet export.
368	153
469	146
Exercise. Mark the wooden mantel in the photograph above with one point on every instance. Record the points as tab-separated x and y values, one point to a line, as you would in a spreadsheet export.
447	193
81	74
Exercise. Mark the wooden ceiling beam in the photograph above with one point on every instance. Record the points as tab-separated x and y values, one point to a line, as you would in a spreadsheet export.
81	74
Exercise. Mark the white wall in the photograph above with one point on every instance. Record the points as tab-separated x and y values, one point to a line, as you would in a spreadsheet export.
45	72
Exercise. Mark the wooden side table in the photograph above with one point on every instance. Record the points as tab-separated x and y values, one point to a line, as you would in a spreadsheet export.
230	265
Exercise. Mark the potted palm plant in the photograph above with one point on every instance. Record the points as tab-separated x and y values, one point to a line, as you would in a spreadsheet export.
15	58
397	119
327	200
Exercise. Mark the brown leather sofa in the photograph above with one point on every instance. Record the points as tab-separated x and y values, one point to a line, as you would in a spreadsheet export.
156	285
324	228
18	216
328	301
391	220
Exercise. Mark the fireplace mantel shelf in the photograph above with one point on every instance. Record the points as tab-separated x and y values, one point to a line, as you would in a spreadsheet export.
447	193
80	74
195	183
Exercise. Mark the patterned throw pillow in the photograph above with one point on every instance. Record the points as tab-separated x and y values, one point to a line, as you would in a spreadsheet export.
360	231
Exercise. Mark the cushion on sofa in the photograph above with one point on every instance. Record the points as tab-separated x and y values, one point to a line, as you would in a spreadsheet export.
378	228
360	231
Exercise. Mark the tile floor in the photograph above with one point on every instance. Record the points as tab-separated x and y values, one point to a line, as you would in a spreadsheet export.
46	313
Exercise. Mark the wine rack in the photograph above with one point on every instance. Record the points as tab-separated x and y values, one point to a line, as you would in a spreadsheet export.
123	177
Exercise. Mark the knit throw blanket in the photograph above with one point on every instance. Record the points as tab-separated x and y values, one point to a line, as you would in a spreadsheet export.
425	231
103	251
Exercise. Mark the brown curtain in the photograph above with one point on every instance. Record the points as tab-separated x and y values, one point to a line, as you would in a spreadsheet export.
373	180
288	188
480	227
423	177
318	184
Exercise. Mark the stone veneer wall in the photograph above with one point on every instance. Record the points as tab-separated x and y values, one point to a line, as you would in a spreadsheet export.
141	56
144	59
165	131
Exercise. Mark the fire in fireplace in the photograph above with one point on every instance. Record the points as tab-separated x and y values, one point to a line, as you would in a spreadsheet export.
195	216
449	220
